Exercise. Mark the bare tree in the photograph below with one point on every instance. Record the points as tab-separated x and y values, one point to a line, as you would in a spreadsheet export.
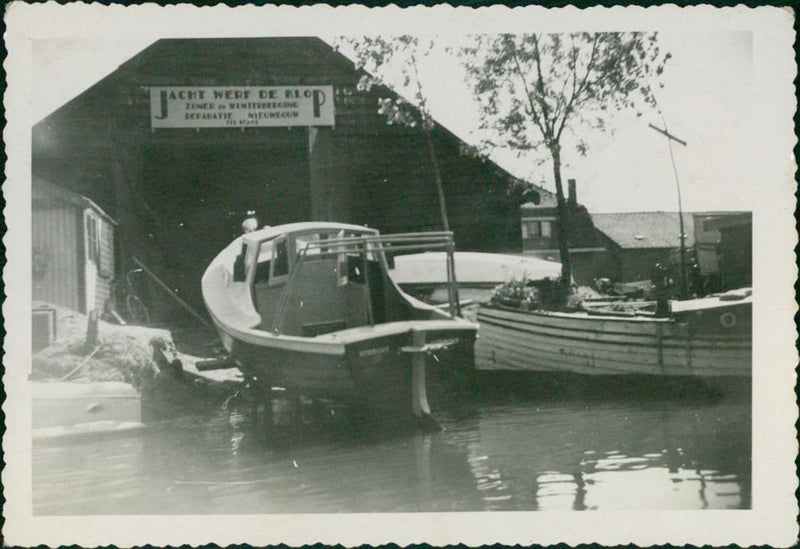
534	88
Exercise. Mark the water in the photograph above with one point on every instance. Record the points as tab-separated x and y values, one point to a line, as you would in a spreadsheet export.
502	450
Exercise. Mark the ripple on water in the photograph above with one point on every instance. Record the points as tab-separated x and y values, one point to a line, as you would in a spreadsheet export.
517	454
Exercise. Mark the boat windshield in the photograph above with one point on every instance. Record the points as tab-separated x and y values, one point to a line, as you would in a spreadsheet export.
314	243
309	243
265	251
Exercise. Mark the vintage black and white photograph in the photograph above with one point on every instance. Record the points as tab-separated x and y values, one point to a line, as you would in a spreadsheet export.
385	275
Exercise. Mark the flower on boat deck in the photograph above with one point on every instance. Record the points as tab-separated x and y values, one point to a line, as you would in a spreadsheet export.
518	293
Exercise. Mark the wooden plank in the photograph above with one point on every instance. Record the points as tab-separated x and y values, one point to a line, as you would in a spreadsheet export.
576	336
587	327
645	350
502	358
502	337
673	336
549	354
545	363
567	359
673	358
53	234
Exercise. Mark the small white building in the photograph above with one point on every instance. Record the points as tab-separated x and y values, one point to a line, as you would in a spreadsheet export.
72	263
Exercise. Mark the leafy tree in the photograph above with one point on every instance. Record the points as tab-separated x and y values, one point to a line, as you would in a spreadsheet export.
385	57
536	88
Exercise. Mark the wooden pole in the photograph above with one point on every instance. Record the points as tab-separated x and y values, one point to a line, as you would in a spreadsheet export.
169	291
670	139
669	135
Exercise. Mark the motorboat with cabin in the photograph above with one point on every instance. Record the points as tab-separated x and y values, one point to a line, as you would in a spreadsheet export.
311	307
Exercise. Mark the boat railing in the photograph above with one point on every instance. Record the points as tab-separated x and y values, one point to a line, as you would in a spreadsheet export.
378	246
392	242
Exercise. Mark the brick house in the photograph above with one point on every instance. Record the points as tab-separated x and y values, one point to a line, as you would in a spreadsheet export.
540	235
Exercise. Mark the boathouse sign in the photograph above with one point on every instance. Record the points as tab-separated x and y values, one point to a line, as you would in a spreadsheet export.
240	106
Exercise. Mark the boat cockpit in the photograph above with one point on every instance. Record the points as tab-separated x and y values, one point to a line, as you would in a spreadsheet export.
323	278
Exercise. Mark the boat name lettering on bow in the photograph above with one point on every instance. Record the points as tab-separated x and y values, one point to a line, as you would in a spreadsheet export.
373	352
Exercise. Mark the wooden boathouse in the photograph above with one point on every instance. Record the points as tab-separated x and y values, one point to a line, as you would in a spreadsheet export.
190	136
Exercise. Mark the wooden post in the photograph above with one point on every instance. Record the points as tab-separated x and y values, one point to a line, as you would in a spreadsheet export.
684	289
419	395
91	330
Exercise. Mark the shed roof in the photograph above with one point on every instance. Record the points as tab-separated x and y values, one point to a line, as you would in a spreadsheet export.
44	190
632	230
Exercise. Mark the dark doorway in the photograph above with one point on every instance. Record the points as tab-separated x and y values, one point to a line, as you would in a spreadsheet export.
194	198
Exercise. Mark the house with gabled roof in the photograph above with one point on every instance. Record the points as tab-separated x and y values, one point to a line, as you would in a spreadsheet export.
539	234
625	247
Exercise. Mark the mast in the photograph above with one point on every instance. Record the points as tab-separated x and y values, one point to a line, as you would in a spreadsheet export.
670	139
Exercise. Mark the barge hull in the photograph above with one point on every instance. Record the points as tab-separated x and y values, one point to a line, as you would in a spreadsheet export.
565	342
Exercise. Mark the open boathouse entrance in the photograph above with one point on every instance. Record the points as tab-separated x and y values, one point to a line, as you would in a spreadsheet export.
194	198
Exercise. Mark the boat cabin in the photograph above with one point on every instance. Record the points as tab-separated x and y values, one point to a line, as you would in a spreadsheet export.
320	278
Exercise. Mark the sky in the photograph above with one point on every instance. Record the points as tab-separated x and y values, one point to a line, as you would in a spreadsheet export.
707	101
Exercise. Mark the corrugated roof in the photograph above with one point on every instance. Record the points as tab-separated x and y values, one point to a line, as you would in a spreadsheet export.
645	229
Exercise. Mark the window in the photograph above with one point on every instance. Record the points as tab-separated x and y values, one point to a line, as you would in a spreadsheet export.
239	272
263	260
280	258
307	243
537	229
92	238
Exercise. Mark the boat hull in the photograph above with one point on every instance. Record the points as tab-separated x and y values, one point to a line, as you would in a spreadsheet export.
375	372
700	343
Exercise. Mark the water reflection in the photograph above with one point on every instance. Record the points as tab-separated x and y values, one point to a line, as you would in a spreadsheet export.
613	456
504	453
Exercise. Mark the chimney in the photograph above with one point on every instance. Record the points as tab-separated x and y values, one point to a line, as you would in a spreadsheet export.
572	199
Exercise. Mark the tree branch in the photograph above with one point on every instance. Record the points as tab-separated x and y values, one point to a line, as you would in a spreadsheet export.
423	108
562	98
550	124
577	94
535	115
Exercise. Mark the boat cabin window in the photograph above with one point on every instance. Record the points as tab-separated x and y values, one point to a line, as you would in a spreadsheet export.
280	260
341	269
355	268
262	260
249	257
239	270
262	272
303	243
